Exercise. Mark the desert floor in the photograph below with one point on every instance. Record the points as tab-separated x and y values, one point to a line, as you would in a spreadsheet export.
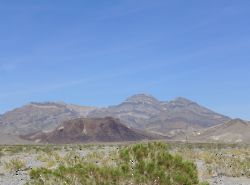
218	164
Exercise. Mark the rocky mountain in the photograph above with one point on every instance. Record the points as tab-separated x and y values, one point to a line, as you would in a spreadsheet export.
134	111
79	130
39	116
140	111
234	131
182	115
170	118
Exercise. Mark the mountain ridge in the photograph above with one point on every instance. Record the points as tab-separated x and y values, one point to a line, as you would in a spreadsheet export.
140	111
36	116
146	112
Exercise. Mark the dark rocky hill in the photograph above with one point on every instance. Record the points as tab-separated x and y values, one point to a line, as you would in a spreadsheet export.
90	130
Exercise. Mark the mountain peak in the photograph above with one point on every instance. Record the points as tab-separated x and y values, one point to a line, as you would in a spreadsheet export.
182	100
141	98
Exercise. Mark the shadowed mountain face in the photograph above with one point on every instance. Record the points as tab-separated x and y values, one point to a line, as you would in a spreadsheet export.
89	130
234	131
39	116
169	118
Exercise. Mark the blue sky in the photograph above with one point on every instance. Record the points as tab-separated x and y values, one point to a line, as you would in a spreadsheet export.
100	52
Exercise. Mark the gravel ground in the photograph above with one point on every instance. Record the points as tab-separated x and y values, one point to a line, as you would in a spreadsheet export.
31	161
18	177
220	180
14	179
229	181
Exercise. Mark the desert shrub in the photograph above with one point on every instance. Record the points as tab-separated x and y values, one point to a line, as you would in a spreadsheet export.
152	163
143	164
14	165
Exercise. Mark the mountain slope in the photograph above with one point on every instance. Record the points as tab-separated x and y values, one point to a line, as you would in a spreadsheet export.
89	130
169	118
6	139
184	115
234	131
39	116
134	111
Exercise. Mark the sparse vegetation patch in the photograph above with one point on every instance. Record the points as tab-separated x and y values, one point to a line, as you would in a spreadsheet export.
143	164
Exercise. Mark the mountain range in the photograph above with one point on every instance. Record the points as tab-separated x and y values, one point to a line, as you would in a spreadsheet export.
140	113
168	118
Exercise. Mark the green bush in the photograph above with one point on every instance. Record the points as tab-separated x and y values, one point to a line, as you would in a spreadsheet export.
142	164
152	163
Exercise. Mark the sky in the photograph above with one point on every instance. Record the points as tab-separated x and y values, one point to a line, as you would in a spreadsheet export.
97	53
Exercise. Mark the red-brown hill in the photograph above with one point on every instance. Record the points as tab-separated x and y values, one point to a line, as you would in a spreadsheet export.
80	130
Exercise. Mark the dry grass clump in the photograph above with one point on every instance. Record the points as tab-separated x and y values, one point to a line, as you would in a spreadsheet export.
15	165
